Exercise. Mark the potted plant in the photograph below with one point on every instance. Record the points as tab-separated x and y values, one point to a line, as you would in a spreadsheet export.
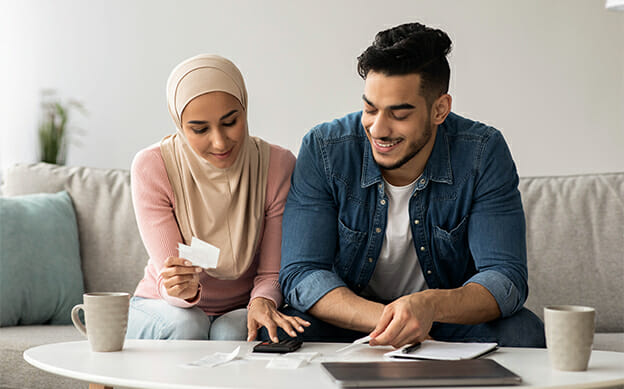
53	129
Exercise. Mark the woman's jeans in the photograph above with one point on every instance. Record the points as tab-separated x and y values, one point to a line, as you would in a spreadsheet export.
156	319
523	329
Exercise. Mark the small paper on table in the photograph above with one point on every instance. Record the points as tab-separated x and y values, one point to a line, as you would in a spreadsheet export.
215	359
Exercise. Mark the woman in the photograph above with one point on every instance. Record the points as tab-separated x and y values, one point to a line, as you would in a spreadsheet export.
212	181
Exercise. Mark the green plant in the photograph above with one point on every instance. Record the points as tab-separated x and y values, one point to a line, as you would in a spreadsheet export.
53	129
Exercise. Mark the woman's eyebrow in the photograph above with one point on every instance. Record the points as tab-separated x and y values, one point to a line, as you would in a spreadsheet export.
222	117
228	114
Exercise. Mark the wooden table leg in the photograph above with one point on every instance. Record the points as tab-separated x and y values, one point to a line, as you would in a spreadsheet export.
99	386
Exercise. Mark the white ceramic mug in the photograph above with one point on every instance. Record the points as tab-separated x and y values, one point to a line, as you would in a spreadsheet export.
106	319
569	336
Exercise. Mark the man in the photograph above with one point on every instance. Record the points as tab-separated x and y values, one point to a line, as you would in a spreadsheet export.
404	221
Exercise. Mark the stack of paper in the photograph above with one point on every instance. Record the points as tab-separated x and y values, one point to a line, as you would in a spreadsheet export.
433	349
200	253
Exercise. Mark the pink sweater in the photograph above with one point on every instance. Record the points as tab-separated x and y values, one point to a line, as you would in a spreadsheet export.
154	206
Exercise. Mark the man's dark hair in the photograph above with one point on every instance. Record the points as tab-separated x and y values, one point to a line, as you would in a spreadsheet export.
411	48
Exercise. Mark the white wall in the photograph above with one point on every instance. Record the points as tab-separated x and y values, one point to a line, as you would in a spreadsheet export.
548	73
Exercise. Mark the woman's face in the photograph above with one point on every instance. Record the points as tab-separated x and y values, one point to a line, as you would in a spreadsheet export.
215	125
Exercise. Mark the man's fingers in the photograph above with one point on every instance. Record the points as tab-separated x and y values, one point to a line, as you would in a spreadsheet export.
301	321
382	324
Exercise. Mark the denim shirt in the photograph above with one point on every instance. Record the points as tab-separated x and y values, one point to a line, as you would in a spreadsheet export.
467	218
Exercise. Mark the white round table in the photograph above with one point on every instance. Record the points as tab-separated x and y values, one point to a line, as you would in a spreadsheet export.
161	364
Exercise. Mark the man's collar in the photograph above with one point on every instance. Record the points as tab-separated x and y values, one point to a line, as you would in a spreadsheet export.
438	167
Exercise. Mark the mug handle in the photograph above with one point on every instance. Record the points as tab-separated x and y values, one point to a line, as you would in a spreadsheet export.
77	323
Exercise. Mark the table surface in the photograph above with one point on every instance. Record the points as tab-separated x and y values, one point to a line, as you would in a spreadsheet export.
161	364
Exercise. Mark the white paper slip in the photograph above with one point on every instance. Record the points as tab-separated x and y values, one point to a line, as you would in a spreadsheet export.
449	351
215	359
200	253
285	363
356	342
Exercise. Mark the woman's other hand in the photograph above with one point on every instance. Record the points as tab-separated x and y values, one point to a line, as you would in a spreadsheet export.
181	278
263	312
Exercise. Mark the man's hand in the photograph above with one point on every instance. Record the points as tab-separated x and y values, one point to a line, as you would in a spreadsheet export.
180	278
262	312
404	321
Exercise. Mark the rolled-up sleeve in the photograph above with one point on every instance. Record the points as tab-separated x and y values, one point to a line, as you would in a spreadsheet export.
497	231
309	231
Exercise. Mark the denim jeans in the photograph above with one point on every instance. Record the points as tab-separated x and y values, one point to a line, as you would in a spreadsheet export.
523	329
156	319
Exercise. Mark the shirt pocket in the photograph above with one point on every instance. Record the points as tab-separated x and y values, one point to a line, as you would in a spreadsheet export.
453	255
350	243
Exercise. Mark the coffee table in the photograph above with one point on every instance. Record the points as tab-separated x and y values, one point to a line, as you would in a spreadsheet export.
160	364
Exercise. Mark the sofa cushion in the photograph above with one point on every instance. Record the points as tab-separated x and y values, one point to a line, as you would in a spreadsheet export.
40	276
113	255
575	245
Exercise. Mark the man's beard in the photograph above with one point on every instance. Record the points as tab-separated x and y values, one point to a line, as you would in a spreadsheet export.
413	150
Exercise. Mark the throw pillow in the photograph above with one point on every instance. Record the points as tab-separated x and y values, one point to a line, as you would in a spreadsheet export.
40	274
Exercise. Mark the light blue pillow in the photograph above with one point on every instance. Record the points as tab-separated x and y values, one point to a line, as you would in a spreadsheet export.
40	275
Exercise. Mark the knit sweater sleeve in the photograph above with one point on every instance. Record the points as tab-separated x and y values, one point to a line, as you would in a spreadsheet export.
266	284
153	201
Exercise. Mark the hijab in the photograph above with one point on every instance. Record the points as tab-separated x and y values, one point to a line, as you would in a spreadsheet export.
224	207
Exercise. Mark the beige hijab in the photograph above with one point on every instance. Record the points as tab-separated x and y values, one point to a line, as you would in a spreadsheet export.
224	207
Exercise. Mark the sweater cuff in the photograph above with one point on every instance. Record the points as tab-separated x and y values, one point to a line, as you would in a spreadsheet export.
269	290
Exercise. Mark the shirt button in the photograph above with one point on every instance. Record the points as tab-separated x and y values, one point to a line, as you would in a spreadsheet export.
379	186
370	260
422	248
382	202
422	181
378	230
416	221
429	272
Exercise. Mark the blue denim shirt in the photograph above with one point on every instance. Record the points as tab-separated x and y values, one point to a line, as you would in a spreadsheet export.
467	218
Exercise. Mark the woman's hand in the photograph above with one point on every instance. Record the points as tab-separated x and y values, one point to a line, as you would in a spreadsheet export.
263	312
181	278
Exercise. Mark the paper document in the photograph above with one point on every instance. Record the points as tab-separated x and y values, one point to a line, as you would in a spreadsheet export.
449	351
200	253
215	359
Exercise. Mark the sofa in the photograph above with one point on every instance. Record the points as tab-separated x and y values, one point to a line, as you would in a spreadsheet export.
575	237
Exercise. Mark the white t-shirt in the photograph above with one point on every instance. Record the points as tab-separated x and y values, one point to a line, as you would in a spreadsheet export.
397	272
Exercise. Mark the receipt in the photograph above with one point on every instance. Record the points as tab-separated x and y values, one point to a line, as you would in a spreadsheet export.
200	253
215	359
356	342
291	360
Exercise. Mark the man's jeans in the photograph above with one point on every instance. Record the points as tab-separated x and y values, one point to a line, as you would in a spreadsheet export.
156	319
524	329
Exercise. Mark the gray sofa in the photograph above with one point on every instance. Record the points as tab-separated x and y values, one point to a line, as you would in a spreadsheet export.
575	231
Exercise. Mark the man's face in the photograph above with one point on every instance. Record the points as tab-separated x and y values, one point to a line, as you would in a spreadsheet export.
397	121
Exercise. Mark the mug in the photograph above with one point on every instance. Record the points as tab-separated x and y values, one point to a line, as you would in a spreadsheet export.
106	319
569	336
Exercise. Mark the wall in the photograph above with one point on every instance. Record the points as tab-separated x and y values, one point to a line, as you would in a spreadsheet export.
549	74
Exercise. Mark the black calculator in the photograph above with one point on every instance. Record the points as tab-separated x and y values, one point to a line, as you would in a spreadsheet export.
281	347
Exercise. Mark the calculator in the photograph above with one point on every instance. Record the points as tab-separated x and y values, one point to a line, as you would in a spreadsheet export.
281	347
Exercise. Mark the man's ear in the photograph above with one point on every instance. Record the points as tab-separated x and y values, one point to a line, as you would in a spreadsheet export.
440	109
